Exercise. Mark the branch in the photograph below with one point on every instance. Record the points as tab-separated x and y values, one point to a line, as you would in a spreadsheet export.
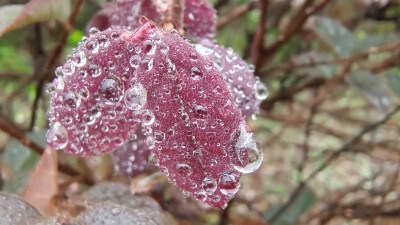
258	40
13	130
51	61
236	13
294	26
334	156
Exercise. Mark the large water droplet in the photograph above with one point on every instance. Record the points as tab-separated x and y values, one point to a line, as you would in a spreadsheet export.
246	154
209	184
261	90
136	97
57	136
111	89
228	183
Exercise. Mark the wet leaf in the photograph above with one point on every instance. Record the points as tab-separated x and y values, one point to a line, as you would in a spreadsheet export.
16	211
122	194
15	16
110	214
299	206
194	128
335	34
372	88
199	16
393	78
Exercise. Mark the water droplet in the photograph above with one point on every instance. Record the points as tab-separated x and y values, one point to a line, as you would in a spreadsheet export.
246	154
92	46
93	31
204	50
215	198
134	61
159	136
200	112
261	90
68	68
209	185
115	211
184	169
147	118
104	41
57	136
150	142
149	47
228	183
71	101
147	64
196	73
94	70
79	59
136	97
164	48
191	16
111	89
200	195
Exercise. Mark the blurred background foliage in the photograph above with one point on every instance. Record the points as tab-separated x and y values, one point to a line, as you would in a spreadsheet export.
329	130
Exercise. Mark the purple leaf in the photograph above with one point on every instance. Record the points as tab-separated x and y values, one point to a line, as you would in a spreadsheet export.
132	157
199	15
247	90
198	135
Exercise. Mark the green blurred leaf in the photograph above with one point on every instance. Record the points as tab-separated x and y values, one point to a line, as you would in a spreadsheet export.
299	206
14	16
393	78
343	41
334	34
22	160
75	37
371	87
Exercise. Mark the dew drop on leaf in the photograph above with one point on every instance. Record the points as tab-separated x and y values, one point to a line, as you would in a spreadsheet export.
228	183
57	136
246	154
135	97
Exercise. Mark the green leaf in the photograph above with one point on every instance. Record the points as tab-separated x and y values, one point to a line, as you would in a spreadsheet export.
335	35
299	206
22	160
372	88
393	78
14	16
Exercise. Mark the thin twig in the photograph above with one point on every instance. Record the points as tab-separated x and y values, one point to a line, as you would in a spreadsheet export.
236	13
297	22
258	39
52	60
330	159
